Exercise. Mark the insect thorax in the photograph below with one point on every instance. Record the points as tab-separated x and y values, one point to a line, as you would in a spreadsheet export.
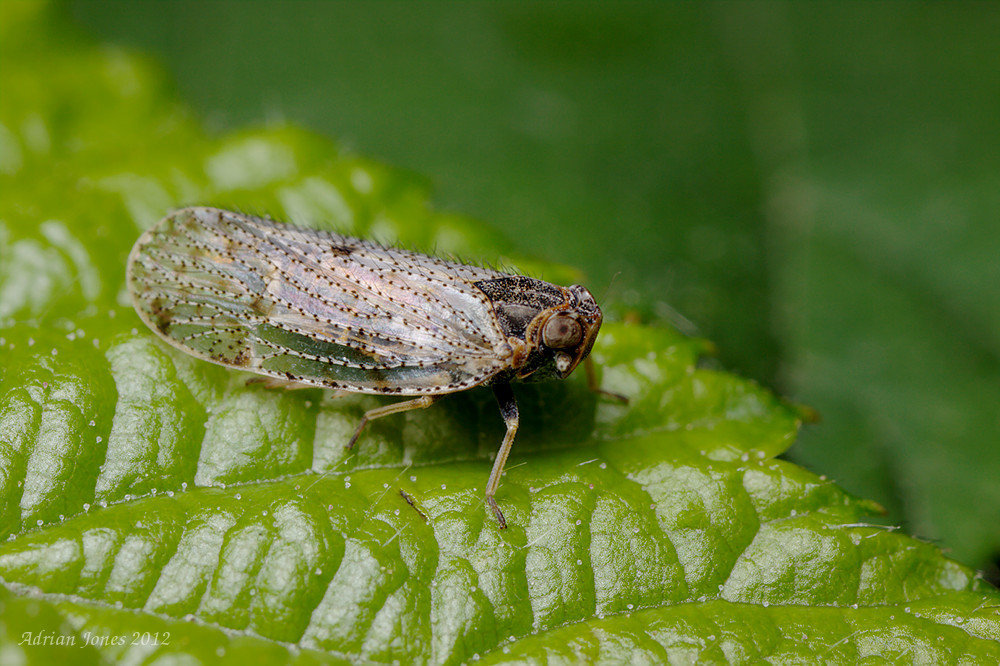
533	312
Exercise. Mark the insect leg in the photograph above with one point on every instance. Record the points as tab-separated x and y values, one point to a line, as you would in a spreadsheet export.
508	409
588	365
422	402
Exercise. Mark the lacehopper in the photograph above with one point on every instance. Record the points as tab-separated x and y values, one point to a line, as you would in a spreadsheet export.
305	307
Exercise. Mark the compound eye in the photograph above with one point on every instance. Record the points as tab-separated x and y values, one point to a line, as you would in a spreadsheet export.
562	332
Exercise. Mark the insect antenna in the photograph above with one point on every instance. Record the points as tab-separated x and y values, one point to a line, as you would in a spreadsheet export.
611	283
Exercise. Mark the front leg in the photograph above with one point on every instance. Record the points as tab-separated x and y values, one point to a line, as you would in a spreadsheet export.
588	365
508	409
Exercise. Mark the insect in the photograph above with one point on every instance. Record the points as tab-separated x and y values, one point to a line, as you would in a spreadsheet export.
313	308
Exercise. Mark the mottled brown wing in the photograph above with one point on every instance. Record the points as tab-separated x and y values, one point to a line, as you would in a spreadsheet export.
313	306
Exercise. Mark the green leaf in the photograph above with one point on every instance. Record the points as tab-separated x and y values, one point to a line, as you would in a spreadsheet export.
157	507
884	209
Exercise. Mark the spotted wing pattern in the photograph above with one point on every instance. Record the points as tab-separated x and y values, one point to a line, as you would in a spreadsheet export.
315	307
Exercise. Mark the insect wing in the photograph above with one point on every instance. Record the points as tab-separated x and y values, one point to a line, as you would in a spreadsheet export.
315	307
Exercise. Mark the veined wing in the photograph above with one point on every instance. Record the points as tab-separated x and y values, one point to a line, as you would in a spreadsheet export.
313	306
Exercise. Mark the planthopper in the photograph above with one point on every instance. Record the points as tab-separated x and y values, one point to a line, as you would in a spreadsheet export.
313	308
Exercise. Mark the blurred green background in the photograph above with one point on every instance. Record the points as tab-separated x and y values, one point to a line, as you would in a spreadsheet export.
813	186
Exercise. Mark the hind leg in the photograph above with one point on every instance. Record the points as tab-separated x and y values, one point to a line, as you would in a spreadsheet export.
423	402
